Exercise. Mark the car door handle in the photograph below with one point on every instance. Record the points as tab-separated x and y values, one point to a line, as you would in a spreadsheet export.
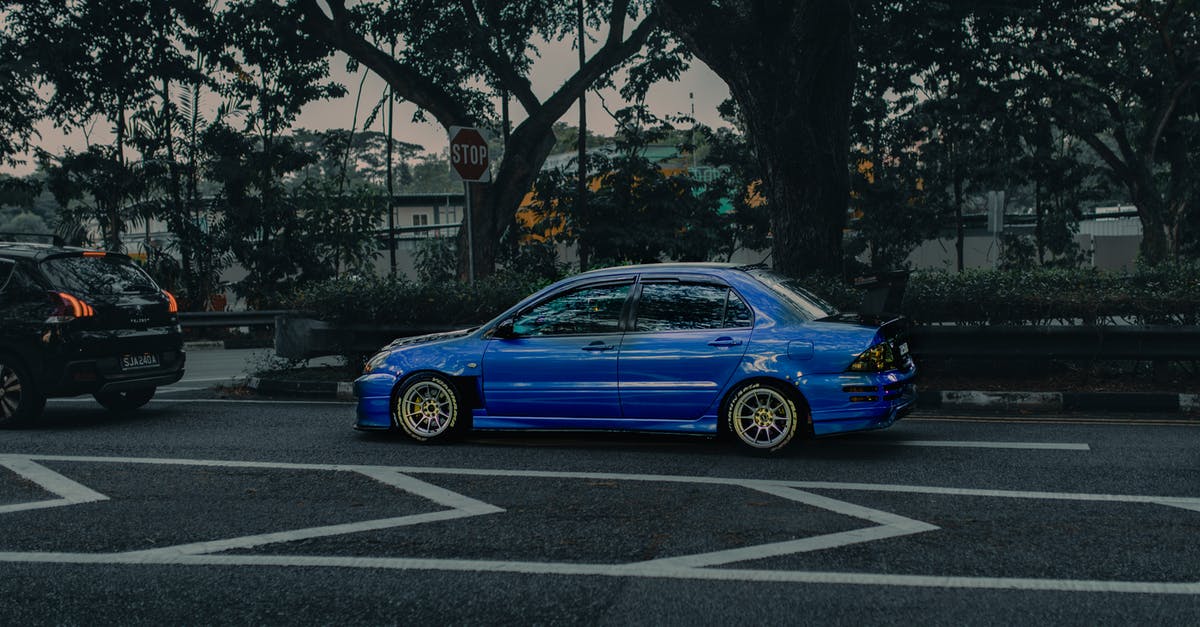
725	341
598	346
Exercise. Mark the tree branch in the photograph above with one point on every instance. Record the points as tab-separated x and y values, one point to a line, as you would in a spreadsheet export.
518	85
1164	115
406	81
608	56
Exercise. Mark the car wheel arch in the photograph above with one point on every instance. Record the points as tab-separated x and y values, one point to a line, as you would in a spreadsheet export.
466	386
785	386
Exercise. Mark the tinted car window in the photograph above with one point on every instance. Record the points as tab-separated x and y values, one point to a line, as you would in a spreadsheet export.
585	311
679	306
97	275
22	288
803	302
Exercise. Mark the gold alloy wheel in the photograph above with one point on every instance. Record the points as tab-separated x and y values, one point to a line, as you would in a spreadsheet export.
763	417
427	408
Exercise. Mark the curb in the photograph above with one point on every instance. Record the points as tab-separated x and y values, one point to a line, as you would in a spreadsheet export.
946	400
341	390
203	345
1058	402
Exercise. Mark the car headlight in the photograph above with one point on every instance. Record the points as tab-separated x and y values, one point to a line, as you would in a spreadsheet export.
375	362
878	358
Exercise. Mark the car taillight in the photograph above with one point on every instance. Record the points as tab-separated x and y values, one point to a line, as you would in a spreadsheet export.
878	358
172	305
68	308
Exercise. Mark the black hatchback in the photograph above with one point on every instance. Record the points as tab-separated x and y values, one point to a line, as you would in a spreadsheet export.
75	321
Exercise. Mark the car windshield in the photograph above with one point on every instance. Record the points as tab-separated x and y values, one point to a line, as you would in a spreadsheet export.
97	275
804	302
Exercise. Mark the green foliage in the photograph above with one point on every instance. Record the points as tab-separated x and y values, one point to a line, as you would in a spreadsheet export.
400	302
1164	294
637	212
24	223
436	260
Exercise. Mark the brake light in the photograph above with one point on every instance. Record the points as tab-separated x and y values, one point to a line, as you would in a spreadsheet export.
878	358
93	253
68	308
172	304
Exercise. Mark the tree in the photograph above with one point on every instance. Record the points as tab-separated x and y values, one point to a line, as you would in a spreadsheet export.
634	211
18	89
1136	105
275	70
444	50
790	65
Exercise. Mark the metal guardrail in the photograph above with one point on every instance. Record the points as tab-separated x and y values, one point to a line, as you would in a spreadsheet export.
190	319
929	342
1067	342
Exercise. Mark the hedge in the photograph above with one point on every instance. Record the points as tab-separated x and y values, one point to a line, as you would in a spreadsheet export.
1165	294
399	301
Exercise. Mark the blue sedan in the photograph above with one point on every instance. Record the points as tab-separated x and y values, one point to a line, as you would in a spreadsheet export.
665	348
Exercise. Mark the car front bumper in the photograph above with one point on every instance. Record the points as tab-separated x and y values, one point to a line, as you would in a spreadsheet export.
374	394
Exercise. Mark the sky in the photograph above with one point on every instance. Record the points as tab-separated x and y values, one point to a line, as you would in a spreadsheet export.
557	61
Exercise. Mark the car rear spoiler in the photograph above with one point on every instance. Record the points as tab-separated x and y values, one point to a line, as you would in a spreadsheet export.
882	292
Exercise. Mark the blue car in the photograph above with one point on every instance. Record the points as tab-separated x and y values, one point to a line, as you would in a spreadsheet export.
665	348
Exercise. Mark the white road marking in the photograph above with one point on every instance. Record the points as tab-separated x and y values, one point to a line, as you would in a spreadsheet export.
69	492
621	570
890	526
683	567
462	507
215	400
1043	446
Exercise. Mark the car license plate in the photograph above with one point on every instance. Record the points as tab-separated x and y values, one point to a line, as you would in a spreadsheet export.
904	349
140	360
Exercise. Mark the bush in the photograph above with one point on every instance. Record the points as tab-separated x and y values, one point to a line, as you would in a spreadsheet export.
1163	294
400	302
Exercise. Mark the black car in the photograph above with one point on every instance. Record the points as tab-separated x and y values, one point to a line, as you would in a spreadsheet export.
75	321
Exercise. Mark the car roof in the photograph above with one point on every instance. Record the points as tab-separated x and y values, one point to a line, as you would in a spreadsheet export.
666	268
34	251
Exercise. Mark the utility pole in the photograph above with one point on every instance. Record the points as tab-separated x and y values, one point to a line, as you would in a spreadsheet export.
391	118
581	188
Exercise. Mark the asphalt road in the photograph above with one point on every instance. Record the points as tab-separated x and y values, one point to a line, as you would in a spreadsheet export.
199	509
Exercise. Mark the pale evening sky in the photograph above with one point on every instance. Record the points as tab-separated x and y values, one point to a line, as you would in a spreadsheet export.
557	61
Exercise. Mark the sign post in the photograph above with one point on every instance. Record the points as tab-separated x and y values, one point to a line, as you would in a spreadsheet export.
469	163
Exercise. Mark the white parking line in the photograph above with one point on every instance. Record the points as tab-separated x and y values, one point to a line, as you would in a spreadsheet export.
215	400
890	526
620	570
694	567
1035	446
69	492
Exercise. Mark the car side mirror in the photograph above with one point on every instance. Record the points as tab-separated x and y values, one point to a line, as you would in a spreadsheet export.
504	330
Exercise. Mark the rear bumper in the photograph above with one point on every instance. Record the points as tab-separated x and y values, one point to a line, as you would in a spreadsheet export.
847	402
89	376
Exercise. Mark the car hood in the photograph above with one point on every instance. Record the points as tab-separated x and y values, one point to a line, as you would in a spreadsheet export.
404	342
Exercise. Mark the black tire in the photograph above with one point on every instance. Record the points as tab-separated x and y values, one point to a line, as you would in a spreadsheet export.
21	401
427	408
127	400
763	416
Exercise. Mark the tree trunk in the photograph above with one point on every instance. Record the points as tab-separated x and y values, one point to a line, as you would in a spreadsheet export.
493	203
1155	247
790	66
959	236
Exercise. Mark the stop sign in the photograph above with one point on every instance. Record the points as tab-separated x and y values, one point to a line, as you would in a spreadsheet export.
468	154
